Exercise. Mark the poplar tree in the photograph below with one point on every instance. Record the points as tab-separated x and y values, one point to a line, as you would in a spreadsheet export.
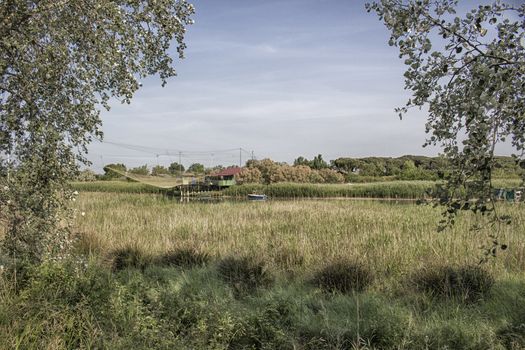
468	70
61	62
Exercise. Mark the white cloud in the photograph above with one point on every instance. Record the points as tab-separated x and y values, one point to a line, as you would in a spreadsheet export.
281	78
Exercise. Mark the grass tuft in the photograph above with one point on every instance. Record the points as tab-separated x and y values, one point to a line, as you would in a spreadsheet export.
128	257
466	283
343	276
184	258
244	274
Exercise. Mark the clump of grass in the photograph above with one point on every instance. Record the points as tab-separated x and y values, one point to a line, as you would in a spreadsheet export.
184	258
343	276
244	274
467	283
128	257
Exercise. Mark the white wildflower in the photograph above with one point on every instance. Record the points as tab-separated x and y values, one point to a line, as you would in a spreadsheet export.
83	214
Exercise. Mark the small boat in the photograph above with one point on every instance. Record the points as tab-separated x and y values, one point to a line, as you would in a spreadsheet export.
510	195
257	197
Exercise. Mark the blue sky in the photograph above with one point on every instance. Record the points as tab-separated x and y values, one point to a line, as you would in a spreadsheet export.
282	78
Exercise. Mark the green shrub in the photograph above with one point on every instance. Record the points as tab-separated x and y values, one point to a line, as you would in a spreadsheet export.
343	276
244	274
183	257
354	178
466	283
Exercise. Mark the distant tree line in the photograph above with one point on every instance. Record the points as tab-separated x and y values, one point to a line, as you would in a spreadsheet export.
413	167
401	168
267	171
174	169
318	170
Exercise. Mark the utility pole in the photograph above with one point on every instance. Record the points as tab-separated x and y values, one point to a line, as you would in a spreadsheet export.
180	162
240	157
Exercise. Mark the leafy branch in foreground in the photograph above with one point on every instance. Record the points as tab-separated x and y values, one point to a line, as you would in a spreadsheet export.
469	72
60	62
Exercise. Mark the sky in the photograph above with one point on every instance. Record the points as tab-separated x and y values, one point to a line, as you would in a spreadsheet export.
279	78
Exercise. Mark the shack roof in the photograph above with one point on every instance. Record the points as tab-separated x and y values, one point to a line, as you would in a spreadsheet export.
228	172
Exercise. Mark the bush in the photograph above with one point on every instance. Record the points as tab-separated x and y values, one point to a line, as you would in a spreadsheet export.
86	175
128	257
244	274
467	283
343	276
184	257
140	170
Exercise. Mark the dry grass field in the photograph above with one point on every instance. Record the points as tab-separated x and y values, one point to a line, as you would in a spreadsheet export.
391	238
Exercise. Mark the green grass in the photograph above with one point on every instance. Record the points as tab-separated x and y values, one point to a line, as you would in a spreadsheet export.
114	186
507	183
245	275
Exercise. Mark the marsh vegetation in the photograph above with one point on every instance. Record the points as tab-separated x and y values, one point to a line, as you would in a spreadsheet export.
311	274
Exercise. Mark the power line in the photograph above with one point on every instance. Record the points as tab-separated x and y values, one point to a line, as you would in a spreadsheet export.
217	155
164	151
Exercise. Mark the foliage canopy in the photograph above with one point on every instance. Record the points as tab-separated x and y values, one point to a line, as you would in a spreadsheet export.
469	71
60	62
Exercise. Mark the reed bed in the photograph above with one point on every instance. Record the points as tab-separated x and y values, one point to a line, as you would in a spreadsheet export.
392	189
114	186
391	239
385	189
